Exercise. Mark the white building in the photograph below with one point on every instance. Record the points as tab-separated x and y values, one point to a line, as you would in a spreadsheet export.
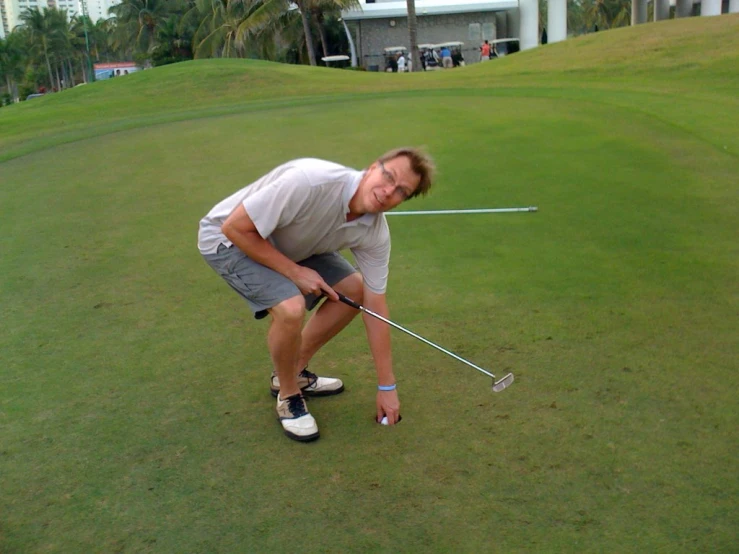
11	10
381	23
98	9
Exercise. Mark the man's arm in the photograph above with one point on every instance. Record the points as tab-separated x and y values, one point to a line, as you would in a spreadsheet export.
240	230
378	336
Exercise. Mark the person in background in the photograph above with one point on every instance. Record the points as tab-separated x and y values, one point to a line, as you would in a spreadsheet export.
401	63
485	51
432	60
458	58
446	58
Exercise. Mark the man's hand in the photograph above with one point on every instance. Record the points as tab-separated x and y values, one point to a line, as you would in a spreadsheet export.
388	405
310	282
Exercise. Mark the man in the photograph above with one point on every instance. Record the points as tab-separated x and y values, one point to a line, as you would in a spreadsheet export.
446	58
276	243
401	63
485	51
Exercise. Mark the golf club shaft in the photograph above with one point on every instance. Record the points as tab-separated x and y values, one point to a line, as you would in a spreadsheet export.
361	308
474	211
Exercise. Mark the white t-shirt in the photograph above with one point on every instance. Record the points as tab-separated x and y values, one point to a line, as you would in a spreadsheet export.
401	63
301	208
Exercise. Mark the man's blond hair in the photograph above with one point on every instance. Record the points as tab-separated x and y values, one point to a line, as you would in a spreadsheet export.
421	164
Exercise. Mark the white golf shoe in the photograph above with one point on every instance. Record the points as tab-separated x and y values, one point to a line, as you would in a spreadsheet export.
295	418
311	384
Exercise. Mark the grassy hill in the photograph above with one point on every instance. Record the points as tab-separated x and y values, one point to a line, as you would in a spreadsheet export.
134	409
670	57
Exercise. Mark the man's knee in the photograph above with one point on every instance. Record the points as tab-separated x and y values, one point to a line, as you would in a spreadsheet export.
352	287
290	311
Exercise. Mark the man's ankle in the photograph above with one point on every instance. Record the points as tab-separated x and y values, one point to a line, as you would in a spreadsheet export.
286	393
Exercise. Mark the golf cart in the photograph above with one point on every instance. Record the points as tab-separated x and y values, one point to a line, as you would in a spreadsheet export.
430	60
391	57
504	46
455	47
340	60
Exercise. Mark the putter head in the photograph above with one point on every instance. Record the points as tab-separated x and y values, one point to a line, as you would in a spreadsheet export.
503	383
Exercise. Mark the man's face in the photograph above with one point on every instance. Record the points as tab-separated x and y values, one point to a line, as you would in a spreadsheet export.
386	185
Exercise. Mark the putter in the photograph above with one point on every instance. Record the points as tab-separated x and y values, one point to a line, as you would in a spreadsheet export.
498	385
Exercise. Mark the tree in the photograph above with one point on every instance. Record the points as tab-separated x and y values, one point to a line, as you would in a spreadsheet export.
138	22
12	64
174	42
320	9
413	35
584	15
41	34
306	29
234	28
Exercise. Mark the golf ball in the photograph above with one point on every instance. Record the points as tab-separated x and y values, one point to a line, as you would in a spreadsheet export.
383	421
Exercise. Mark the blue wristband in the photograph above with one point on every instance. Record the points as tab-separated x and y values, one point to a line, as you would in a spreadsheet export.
386	387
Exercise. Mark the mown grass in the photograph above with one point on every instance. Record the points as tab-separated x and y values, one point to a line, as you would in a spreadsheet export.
134	412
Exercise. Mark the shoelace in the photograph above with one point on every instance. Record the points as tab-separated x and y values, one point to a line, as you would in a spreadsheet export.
312	377
296	405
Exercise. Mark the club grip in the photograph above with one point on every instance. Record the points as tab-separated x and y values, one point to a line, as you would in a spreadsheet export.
349	301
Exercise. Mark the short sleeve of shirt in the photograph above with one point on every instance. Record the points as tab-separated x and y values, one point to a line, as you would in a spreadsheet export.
374	264
279	203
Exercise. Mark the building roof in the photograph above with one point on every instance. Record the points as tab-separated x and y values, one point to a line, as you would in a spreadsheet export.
385	10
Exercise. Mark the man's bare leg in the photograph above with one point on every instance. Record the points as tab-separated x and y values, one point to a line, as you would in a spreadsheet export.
329	320
283	340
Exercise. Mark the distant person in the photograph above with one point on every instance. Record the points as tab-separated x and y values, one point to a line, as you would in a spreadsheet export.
493	51
432	60
401	63
485	51
446	58
458	58
276	242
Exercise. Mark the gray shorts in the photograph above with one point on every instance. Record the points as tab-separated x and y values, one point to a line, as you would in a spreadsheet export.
264	288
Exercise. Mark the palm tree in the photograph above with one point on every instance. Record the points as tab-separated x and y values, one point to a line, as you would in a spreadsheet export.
12	63
291	38
81	36
319	9
608	13
100	38
413	35
138	22
217	34
304	11
40	33
61	46
174	42
236	28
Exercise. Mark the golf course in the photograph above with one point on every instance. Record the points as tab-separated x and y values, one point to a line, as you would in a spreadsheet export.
135	410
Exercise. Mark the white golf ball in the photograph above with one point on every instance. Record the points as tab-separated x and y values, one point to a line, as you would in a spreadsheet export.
383	421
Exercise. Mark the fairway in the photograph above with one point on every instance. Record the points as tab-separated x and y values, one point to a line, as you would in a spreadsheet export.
135	413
